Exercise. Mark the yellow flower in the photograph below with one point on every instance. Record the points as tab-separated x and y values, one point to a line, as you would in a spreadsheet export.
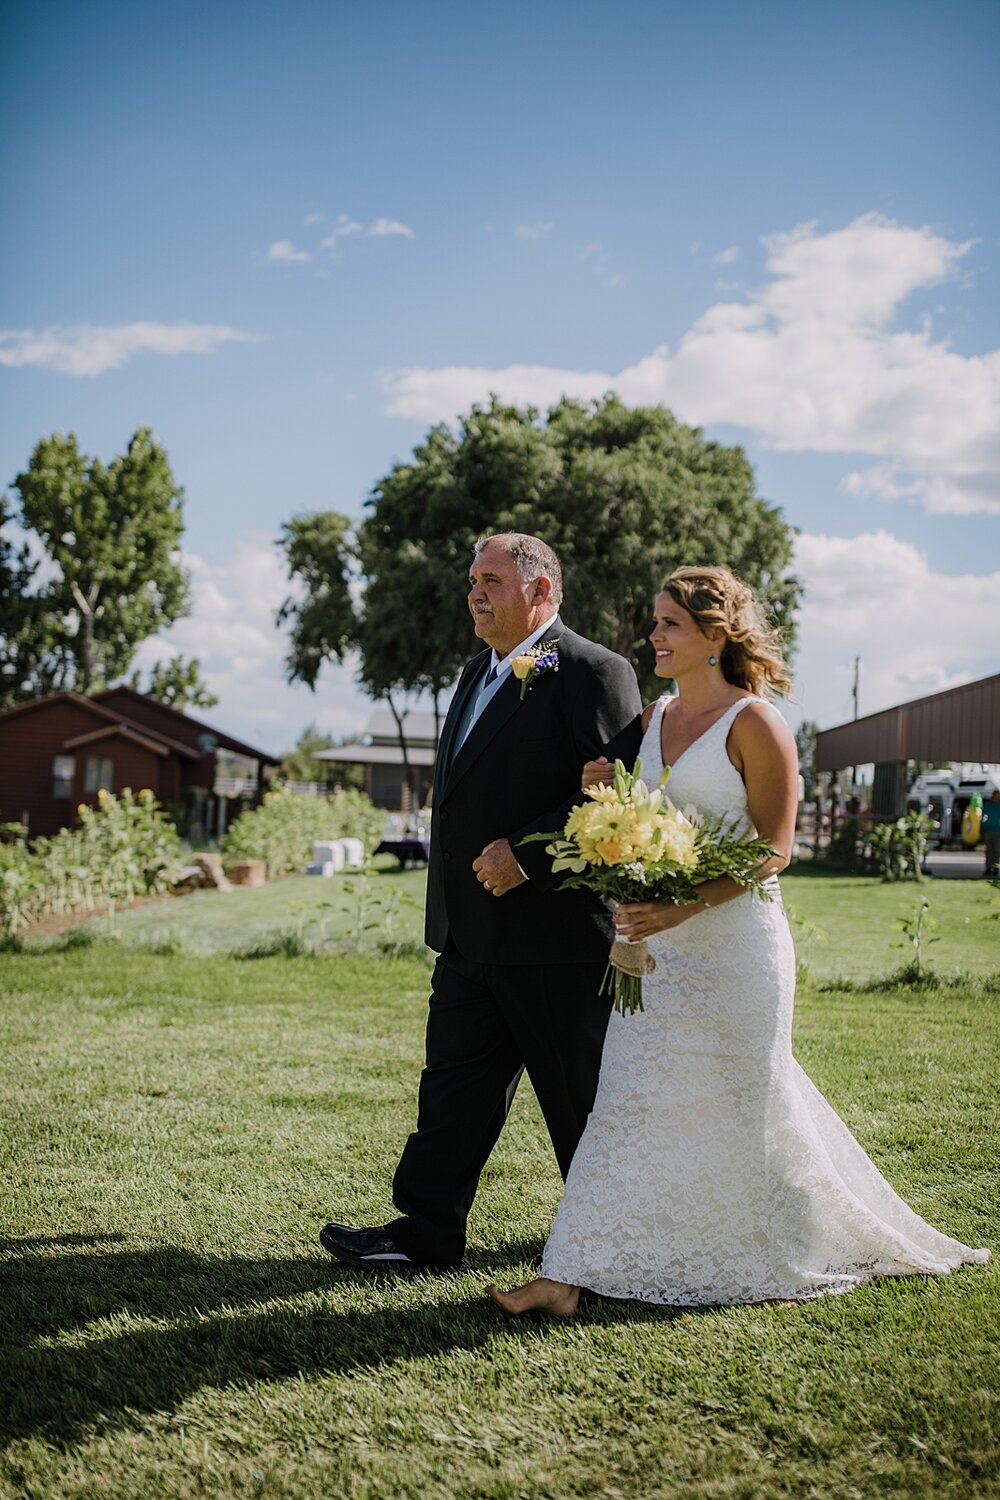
521	667
81	808
145	793
102	795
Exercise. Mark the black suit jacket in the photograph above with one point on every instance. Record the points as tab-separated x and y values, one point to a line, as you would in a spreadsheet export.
518	772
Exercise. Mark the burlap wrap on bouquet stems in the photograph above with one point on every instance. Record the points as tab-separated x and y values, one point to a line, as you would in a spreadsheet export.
628	962
632	958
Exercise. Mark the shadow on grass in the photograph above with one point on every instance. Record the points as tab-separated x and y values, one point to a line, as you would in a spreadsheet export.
55	1242
227	1339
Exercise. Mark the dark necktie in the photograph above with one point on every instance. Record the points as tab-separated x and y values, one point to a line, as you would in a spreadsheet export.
490	677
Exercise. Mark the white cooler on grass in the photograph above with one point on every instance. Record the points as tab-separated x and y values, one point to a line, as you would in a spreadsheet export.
354	852
330	852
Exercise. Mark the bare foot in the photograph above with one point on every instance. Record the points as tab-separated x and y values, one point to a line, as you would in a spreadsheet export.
542	1295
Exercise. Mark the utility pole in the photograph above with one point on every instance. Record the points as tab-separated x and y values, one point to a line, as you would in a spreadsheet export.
854	691
854	695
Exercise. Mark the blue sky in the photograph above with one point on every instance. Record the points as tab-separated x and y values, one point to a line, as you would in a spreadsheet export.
289	238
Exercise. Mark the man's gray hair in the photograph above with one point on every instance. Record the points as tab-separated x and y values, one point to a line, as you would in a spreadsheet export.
530	555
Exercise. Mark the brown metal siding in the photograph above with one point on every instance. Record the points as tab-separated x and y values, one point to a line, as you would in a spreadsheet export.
962	723
880	736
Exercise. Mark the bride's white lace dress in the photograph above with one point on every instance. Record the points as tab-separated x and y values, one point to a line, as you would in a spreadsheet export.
711	1169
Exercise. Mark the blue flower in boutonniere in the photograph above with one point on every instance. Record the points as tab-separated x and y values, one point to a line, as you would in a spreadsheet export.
529	667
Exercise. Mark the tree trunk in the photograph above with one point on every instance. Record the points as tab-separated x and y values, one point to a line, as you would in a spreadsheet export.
404	749
89	663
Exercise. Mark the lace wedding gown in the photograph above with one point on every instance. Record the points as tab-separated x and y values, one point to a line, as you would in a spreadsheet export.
711	1169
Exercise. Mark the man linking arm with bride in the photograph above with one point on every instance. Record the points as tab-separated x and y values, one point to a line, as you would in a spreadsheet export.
711	1169
516	983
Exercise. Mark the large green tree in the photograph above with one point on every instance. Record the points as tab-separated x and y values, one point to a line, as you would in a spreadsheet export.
111	535
32	655
624	494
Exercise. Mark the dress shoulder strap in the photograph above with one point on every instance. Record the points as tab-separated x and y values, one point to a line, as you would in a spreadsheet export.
730	714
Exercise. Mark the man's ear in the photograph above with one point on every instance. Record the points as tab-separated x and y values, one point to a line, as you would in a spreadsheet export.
543	590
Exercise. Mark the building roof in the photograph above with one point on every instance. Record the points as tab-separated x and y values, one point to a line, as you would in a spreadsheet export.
118	730
417	727
187	729
112	707
961	724
376	755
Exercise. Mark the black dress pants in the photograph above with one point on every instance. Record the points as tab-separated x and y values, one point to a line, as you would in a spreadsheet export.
487	1024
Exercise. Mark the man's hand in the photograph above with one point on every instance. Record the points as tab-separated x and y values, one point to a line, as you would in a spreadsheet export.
599	772
497	869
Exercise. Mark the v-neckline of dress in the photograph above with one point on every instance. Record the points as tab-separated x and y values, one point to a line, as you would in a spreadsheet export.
698	738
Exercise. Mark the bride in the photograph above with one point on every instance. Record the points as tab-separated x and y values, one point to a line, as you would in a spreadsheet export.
711	1169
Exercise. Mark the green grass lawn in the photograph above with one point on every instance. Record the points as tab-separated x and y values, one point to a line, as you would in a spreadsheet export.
320	912
178	1125
845	926
848	926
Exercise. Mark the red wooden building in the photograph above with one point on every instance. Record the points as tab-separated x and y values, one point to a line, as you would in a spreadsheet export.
59	751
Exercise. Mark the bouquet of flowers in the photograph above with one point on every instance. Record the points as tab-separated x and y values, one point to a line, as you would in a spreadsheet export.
631	844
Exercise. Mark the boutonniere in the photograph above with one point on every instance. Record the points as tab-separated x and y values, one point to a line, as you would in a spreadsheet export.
544	657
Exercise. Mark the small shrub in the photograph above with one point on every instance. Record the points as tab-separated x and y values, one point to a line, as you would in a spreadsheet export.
404	948
83	936
845	850
275	945
898	849
283	829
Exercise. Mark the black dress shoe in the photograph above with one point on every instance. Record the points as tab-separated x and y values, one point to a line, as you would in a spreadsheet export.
365	1249
536	1263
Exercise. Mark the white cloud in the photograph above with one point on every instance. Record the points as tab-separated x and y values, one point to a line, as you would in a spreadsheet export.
810	362
533	231
90	349
379	227
231	630
877	597
314	218
343	226
616	280
727	256
285	251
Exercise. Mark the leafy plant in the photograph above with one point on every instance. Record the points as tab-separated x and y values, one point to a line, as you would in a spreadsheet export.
916	928
123	848
376	909
283	829
898	849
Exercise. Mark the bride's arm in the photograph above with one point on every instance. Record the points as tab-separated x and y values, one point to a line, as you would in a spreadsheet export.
763	751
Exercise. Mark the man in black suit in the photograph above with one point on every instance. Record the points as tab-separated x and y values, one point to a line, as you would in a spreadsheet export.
516	984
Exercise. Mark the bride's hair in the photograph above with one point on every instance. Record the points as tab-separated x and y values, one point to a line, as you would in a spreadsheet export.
717	600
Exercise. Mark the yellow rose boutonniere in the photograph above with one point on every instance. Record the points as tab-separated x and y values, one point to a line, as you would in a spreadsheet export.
528	667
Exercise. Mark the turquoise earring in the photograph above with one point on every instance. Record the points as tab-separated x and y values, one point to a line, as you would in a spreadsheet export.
713	661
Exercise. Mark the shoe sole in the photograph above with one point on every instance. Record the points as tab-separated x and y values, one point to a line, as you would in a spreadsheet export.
365	1262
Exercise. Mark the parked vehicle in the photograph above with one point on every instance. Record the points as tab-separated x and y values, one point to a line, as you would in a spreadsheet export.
945	796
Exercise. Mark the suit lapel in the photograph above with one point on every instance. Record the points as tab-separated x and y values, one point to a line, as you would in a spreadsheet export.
502	706
472	679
